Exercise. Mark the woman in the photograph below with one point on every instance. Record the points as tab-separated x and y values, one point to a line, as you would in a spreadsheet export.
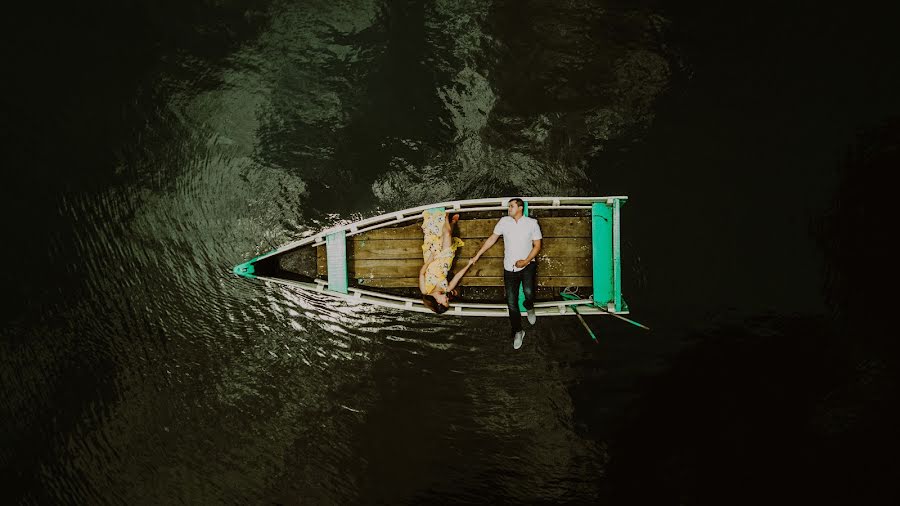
438	249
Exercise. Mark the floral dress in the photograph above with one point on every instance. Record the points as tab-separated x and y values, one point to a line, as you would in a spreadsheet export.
432	227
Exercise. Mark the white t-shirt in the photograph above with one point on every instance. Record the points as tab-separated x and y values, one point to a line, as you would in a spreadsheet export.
517	237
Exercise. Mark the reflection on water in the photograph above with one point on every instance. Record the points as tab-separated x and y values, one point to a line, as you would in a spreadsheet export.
137	369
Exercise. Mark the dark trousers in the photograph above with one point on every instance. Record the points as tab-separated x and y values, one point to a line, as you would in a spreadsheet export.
511	281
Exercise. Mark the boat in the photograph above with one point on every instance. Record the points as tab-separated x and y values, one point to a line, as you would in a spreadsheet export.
376	260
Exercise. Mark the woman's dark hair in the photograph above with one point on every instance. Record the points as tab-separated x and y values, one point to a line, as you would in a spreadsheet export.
432	304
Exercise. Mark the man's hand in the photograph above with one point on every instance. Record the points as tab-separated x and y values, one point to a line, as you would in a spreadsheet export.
521	263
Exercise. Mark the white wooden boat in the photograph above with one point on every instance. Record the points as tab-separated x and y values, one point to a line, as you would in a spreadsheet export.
377	260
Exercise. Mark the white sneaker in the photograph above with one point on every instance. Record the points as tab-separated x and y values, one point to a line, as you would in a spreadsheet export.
532	316
517	342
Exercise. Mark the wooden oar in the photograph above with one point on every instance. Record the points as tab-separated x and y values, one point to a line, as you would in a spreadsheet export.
623	318
585	325
571	296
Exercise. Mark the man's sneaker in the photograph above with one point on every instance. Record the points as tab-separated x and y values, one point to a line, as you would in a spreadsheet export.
532	317
517	342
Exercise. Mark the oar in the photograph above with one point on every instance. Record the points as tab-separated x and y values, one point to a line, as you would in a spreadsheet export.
572	296
641	325
585	325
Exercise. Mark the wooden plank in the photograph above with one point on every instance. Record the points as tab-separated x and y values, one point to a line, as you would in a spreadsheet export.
553	247
550	227
560	247
486	267
386	248
545	281
413	231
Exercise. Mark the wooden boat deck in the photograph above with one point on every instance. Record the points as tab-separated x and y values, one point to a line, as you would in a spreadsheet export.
391	257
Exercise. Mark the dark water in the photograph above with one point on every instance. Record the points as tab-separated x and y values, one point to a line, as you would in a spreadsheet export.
151	146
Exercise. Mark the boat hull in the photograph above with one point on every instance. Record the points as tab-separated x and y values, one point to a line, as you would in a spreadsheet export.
376	261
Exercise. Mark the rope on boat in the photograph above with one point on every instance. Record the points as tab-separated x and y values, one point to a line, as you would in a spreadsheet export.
571	293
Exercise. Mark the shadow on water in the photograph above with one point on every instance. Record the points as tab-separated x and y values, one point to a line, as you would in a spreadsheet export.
781	408
404	440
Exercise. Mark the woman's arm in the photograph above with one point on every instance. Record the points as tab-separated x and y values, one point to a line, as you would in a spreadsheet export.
459	275
422	274
422	283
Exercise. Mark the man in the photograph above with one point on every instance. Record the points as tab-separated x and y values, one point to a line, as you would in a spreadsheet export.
521	244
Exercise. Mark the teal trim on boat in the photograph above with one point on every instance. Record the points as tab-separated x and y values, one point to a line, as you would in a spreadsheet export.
336	249
602	245
245	269
617	255
607	254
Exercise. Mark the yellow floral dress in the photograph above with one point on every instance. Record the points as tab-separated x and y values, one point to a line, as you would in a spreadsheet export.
433	226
